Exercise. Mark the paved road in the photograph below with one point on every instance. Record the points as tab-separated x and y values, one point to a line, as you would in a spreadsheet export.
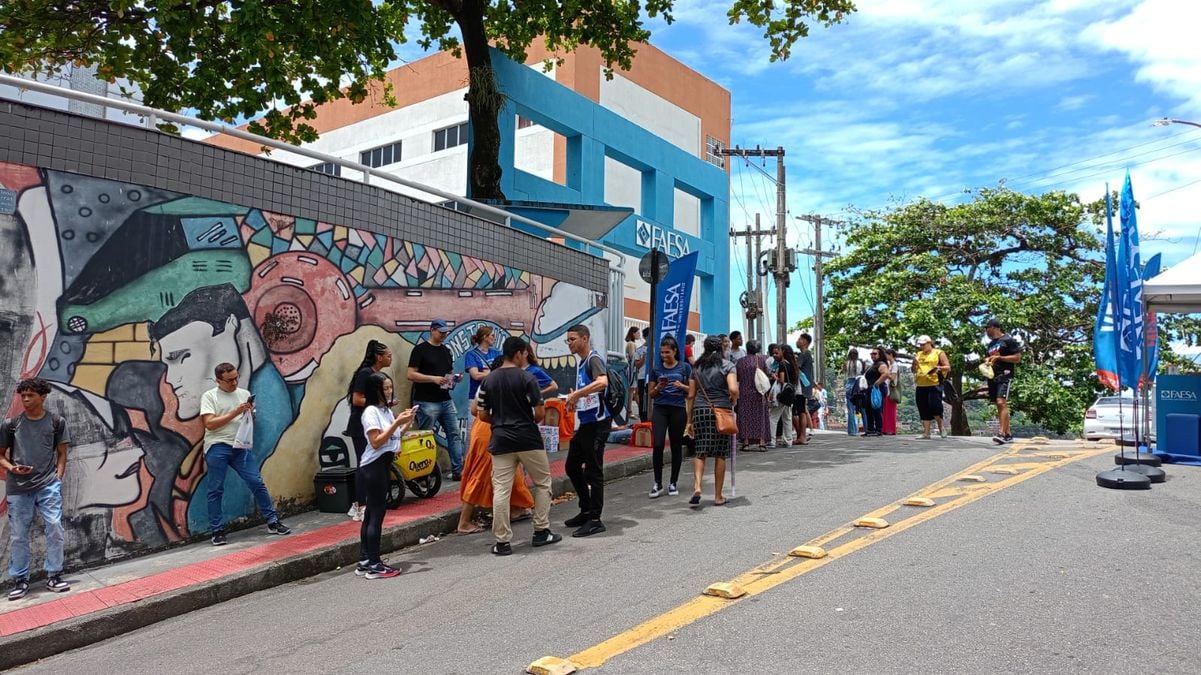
1047	574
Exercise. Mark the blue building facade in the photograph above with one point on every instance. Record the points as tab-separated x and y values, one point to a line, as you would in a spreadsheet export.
594	133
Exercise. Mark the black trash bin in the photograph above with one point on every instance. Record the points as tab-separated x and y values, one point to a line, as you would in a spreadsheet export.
335	489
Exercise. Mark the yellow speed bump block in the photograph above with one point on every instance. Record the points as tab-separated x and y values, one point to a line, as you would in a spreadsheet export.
1003	471
918	501
551	665
873	523
1040	440
725	589
972	478
814	552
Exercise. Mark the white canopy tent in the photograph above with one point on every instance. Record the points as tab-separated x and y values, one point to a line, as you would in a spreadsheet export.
1176	291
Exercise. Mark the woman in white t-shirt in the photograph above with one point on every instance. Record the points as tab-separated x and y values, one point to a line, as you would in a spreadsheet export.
383	431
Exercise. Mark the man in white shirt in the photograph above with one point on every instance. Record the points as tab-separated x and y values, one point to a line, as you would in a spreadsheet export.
219	408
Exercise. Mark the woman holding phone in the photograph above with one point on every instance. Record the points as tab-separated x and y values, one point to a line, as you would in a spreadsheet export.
671	387
383	431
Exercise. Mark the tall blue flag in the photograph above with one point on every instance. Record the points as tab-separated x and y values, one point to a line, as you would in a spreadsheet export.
1130	292
1151	325
672	303
1104	338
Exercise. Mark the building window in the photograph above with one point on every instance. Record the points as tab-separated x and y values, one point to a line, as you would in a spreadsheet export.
381	156
450	137
713	148
525	122
330	168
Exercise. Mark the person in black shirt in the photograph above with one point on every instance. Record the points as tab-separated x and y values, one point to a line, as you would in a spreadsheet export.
877	377
377	357
511	402
430	367
1003	353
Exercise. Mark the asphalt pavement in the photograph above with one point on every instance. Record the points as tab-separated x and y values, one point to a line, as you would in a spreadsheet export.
1047	574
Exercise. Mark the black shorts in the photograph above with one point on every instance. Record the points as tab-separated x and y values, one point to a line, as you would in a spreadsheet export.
798	405
929	403
998	387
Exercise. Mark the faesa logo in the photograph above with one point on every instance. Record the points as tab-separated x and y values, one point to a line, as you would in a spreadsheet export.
650	236
1177	395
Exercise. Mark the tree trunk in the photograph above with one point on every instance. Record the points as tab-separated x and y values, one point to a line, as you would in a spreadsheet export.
484	101
959	423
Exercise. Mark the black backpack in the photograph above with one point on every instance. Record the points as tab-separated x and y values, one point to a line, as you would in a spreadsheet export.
614	395
56	421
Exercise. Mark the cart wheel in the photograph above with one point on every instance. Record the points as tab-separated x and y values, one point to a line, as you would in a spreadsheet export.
426	486
396	487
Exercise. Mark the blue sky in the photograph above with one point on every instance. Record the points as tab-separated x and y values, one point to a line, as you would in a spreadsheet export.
916	98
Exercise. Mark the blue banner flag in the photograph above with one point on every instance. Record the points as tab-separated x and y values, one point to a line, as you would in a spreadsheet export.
1151	325
672	304
1105	342
1130	292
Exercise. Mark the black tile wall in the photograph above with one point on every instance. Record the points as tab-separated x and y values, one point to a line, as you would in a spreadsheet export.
58	140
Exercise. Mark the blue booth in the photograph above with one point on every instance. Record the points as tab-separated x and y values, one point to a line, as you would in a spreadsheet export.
1178	419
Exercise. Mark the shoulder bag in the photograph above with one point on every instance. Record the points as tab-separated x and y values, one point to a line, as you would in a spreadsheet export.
723	418
762	381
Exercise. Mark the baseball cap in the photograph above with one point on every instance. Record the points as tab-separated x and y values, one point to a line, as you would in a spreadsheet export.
993	323
923	339
440	325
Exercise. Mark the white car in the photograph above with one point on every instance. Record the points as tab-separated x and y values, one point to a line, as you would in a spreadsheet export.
1111	416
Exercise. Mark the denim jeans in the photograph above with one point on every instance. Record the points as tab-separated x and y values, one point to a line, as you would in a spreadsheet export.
443	414
48	502
222	457
852	423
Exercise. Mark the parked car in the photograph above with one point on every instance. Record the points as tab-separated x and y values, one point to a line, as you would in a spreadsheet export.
1110	416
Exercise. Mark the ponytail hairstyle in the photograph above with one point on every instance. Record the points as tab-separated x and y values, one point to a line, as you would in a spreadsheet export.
483	331
375	349
712	356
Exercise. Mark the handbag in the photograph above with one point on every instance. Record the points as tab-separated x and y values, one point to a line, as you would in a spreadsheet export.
861	383
762	382
894	394
723	418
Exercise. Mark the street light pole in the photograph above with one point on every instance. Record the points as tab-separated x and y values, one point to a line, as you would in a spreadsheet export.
1166	121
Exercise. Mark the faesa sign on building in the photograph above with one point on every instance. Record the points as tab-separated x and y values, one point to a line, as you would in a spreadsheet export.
649	236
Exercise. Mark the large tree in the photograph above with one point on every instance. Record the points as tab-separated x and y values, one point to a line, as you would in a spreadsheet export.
1034	262
280	59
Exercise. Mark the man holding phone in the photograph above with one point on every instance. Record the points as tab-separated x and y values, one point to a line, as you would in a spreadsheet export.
33	450
430	370
219	409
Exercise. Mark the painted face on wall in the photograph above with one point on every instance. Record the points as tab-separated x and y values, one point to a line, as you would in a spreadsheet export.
190	354
104	476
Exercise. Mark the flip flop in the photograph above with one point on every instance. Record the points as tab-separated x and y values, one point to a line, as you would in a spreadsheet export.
474	530
696	499
721	503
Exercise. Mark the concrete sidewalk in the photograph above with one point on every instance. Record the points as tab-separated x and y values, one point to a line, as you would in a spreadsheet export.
125	596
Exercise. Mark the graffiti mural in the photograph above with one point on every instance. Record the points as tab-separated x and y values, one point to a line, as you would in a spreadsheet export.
125	297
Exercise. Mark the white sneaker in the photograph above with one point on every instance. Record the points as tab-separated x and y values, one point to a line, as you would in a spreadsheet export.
672	490
942	433
353	513
655	491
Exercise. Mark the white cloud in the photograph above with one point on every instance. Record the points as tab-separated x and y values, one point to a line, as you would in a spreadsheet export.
1161	37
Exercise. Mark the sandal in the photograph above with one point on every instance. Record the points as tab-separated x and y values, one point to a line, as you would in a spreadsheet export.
524	515
474	530
721	503
696	498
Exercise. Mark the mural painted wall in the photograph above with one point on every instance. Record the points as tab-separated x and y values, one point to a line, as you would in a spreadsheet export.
125	297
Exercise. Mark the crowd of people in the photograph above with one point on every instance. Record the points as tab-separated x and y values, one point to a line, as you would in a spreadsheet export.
732	396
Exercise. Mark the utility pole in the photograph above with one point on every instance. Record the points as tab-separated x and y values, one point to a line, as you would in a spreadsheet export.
751	300
819	313
784	262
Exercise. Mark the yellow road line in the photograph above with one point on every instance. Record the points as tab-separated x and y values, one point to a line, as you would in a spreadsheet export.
781	570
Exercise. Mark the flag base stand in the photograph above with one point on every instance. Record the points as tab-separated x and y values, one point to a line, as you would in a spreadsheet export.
1123	479
1153	473
1137	458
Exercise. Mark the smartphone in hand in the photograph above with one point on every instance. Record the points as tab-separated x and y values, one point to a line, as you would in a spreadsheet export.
251	399
22	469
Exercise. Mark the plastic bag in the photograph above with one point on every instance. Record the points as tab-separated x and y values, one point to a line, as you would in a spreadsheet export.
245	438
